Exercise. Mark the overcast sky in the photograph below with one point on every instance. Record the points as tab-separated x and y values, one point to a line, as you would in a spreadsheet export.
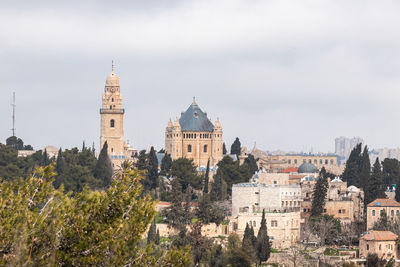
289	75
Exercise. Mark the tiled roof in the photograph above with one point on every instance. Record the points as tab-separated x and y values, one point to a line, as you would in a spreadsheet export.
384	202
289	170
195	120
379	236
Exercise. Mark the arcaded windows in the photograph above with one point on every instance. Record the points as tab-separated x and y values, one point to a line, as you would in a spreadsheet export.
189	148
205	148
112	123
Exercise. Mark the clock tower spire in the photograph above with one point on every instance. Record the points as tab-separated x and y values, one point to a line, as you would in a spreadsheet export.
112	118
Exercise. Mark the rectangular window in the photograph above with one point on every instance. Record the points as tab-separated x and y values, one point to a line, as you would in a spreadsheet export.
295	161
373	212
290	161
274	223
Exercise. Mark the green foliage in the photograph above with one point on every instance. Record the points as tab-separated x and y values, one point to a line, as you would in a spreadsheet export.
251	163
152	233
236	255
331	252
319	193
249	241
184	170
351	173
383	223
42	226
391	171
365	170
17	143
224	151
166	165
263	245
236	147
207	212
141	163
103	170
206	178
151	181
218	188
375	188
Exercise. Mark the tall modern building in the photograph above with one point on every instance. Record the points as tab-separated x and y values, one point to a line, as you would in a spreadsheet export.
194	136
344	145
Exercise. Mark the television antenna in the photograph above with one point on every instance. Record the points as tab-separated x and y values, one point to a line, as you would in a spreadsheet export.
13	115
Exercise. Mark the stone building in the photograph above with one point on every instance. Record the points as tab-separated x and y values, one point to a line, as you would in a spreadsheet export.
112	121
342	202
194	136
254	197
380	205
277	163
383	243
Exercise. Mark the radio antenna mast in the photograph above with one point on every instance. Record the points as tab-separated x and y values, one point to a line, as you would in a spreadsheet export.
13	115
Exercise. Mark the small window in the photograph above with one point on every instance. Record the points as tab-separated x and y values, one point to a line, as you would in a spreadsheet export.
331	161
295	161
290	161
112	99
392	213
189	148
110	106
112	123
367	247
205	149
326	162
309	161
112	149
397	213
324	210
320	161
304	161
256	204
274	223
340	211
373	212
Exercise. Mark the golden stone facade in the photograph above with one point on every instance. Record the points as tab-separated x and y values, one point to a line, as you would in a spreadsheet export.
193	136
112	121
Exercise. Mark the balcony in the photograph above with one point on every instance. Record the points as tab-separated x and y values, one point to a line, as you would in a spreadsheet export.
113	111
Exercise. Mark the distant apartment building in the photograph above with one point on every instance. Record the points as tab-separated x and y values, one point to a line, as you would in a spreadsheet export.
344	146
383	153
342	202
254	197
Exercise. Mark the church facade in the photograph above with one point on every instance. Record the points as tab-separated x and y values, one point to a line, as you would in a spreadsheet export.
112	122
195	137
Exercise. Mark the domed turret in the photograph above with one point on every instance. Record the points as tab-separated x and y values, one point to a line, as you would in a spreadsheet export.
169	124
307	168
217	124
112	79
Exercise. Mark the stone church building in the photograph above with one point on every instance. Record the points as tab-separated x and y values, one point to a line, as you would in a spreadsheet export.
112	122
194	136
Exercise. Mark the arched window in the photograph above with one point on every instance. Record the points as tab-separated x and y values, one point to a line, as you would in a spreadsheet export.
112	123
110	106
205	149
112	99
189	148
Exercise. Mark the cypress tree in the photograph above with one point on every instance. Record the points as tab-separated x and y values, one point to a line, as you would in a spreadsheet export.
218	188
253	237
375	188
252	163
206	178
319	193
103	170
224	151
352	170
397	192
236	147
166	165
365	170
83	146
60	163
152	171
157	242
263	245
142	161
247	241
46	160
152	233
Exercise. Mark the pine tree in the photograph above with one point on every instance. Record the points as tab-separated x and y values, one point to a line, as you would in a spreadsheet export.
319	193
60	163
236	147
206	178
152	233
263	246
224	151
351	172
103	170
375	188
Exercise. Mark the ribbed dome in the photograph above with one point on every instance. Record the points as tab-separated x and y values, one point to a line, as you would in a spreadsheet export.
307	168
112	79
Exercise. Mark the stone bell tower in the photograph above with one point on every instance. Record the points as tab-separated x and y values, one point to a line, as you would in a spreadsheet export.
112	118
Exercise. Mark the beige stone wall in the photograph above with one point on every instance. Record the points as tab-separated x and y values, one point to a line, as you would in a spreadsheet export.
373	214
283	228
273	178
208	230
204	145
385	249
249	197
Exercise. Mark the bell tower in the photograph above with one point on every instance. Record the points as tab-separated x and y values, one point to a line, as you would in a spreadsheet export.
112	118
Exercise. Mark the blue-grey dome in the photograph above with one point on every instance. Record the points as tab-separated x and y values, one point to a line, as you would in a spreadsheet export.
195	120
307	168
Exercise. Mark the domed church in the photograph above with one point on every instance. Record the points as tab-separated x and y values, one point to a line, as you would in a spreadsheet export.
195	137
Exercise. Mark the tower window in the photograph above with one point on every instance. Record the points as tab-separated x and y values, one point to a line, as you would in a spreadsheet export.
205	149
112	123
189	148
